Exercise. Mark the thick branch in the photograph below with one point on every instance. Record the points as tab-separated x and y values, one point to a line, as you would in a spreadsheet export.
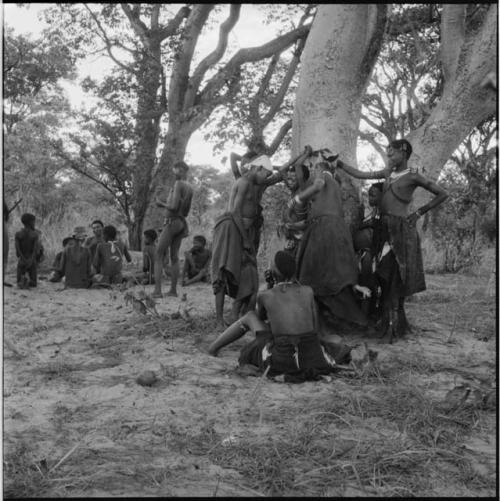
180	71
366	136
249	55
378	127
253	107
173	25
279	137
104	37
278	100
214	57
140	29
452	37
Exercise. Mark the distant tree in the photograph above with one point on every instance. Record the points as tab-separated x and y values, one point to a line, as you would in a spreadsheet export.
156	46
34	110
259	115
31	71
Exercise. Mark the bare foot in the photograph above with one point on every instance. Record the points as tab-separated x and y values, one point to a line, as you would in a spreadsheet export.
171	294
212	352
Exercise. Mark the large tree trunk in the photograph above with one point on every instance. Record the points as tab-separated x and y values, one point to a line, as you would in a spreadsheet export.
174	150
146	130
337	61
467	58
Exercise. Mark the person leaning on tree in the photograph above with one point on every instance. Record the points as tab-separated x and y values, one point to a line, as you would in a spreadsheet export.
397	244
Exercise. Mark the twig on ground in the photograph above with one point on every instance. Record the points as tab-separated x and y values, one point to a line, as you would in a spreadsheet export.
66	456
452	329
259	384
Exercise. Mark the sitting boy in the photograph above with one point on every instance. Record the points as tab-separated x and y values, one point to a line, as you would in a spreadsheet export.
56	274
148	257
108	259
285	326
29	251
197	262
76	262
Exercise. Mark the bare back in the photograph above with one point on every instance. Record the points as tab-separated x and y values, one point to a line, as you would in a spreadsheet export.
27	241
185	198
328	201
290	309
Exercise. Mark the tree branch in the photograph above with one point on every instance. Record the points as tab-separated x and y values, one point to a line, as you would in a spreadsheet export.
366	136
214	57
104	37
183	57
279	137
378	127
253	107
452	37
174	23
278	100
140	29
250	55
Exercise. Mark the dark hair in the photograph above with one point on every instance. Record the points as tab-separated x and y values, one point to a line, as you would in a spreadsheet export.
181	165
66	240
201	239
109	232
151	234
402	144
28	219
285	264
377	186
97	222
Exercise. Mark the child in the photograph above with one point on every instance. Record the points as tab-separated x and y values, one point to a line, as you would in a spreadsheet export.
148	257
108	259
56	274
76	262
29	251
196	262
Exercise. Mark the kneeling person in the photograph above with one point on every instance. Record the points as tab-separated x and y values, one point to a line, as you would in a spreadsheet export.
196	262
285	325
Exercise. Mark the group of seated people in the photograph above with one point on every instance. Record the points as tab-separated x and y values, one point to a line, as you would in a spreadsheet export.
97	260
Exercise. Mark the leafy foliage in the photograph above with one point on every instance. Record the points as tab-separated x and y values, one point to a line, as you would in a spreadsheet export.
460	226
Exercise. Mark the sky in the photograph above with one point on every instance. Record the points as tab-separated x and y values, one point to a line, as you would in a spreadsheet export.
199	151
249	31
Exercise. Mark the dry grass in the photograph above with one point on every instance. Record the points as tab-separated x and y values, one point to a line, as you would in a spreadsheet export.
377	432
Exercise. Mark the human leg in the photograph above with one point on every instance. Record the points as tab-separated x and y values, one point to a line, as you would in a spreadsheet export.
32	273
219	307
236	330
174	258
164	243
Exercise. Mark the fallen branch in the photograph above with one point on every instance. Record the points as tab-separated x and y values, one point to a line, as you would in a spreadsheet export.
66	456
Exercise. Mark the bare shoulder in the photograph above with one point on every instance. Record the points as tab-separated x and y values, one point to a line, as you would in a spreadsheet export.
306	289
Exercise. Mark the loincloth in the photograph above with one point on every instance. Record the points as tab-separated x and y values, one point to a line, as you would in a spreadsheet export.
300	357
398	244
233	269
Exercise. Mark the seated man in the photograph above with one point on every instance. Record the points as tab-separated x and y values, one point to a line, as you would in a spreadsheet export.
56	274
285	327
108	259
196	262
76	262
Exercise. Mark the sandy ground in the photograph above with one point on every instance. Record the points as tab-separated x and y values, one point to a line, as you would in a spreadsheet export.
76	423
